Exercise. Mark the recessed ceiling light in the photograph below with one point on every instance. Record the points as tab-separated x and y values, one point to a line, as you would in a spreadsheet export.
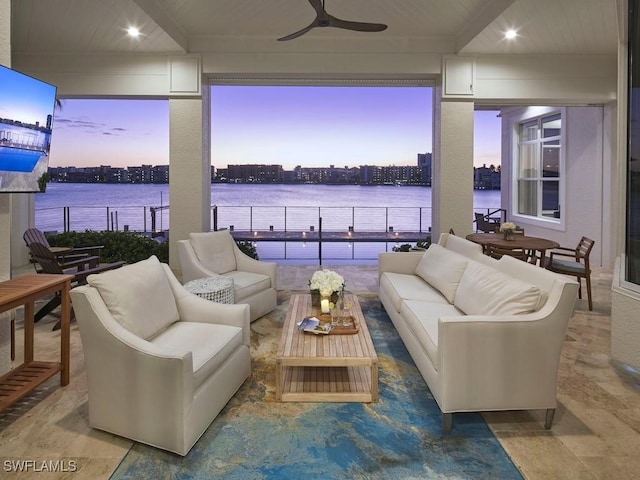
133	31
510	34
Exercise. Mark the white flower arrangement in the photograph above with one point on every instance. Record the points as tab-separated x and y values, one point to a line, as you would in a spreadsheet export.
327	282
508	227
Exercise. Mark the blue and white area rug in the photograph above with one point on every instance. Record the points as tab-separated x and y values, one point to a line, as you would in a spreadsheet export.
399	437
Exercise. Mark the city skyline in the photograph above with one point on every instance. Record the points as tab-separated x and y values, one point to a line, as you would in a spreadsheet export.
289	126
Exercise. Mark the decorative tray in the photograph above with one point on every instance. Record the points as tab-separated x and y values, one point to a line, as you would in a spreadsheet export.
324	327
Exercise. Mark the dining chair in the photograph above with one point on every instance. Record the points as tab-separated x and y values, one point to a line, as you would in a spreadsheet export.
576	264
498	252
483	224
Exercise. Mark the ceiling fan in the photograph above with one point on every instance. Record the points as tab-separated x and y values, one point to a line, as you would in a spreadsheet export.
323	19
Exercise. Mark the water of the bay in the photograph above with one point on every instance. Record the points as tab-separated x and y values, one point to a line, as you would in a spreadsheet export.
255	207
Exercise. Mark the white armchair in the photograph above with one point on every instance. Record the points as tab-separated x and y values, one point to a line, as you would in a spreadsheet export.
161	362
210	254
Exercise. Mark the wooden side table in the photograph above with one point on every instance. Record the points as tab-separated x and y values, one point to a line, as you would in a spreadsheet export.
25	290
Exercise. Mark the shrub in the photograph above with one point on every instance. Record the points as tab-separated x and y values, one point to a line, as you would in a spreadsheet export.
128	246
406	247
248	248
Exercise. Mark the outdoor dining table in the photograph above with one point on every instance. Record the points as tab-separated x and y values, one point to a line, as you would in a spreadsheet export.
536	246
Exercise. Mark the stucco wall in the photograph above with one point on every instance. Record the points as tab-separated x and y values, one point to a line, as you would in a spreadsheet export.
584	206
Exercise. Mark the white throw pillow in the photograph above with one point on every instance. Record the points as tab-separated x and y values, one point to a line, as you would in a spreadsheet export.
215	250
442	269
484	290
138	296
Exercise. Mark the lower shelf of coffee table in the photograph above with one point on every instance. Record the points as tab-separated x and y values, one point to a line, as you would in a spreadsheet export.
328	384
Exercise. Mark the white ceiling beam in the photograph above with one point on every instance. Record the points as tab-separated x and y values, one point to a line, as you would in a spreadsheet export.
489	12
164	21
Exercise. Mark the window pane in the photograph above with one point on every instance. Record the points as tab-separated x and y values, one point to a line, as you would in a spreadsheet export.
551	159
551	126
632	249
527	197
551	199
529	131
528	165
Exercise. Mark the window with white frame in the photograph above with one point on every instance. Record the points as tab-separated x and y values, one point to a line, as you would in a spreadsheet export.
538	167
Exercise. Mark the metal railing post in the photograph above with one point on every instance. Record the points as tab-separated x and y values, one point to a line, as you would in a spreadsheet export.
320	239
215	218
386	219
107	219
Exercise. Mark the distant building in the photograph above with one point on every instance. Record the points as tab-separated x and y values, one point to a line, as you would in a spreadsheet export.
486	178
255	173
424	163
420	174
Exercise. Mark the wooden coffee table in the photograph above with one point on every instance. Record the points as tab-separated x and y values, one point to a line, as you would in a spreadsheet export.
325	368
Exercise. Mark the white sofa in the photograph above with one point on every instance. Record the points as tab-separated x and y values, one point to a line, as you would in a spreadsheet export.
485	334
209	254
161	362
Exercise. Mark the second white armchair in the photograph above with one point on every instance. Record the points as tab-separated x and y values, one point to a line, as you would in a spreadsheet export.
209	254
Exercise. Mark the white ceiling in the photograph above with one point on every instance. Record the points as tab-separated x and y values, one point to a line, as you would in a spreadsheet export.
200	26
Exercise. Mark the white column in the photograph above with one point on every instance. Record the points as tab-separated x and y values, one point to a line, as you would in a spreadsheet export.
5	200
452	183
189	173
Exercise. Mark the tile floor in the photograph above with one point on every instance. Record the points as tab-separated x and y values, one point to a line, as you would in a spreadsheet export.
596	433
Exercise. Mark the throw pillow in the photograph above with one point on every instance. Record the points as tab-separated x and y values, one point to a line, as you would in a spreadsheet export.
484	290
442	269
138	296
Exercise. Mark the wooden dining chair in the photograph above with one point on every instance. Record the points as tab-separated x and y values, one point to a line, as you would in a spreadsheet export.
483	224
574	261
498	252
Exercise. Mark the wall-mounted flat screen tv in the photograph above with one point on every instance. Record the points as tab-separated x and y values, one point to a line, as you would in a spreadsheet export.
26	120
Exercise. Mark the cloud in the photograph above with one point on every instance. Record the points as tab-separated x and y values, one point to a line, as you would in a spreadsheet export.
88	126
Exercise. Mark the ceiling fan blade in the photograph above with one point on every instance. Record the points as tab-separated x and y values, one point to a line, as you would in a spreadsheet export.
297	34
357	26
317	6
323	19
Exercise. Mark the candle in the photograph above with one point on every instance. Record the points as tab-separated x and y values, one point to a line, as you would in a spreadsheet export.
324	305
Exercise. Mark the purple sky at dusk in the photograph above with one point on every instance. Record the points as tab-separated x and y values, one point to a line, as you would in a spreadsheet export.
307	126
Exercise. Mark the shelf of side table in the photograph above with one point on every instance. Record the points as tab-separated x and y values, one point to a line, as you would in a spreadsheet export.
25	290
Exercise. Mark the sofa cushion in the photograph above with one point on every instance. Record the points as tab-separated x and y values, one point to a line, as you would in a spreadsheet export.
484	290
422	318
210	344
246	284
122	289
215	250
402	286
442	269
